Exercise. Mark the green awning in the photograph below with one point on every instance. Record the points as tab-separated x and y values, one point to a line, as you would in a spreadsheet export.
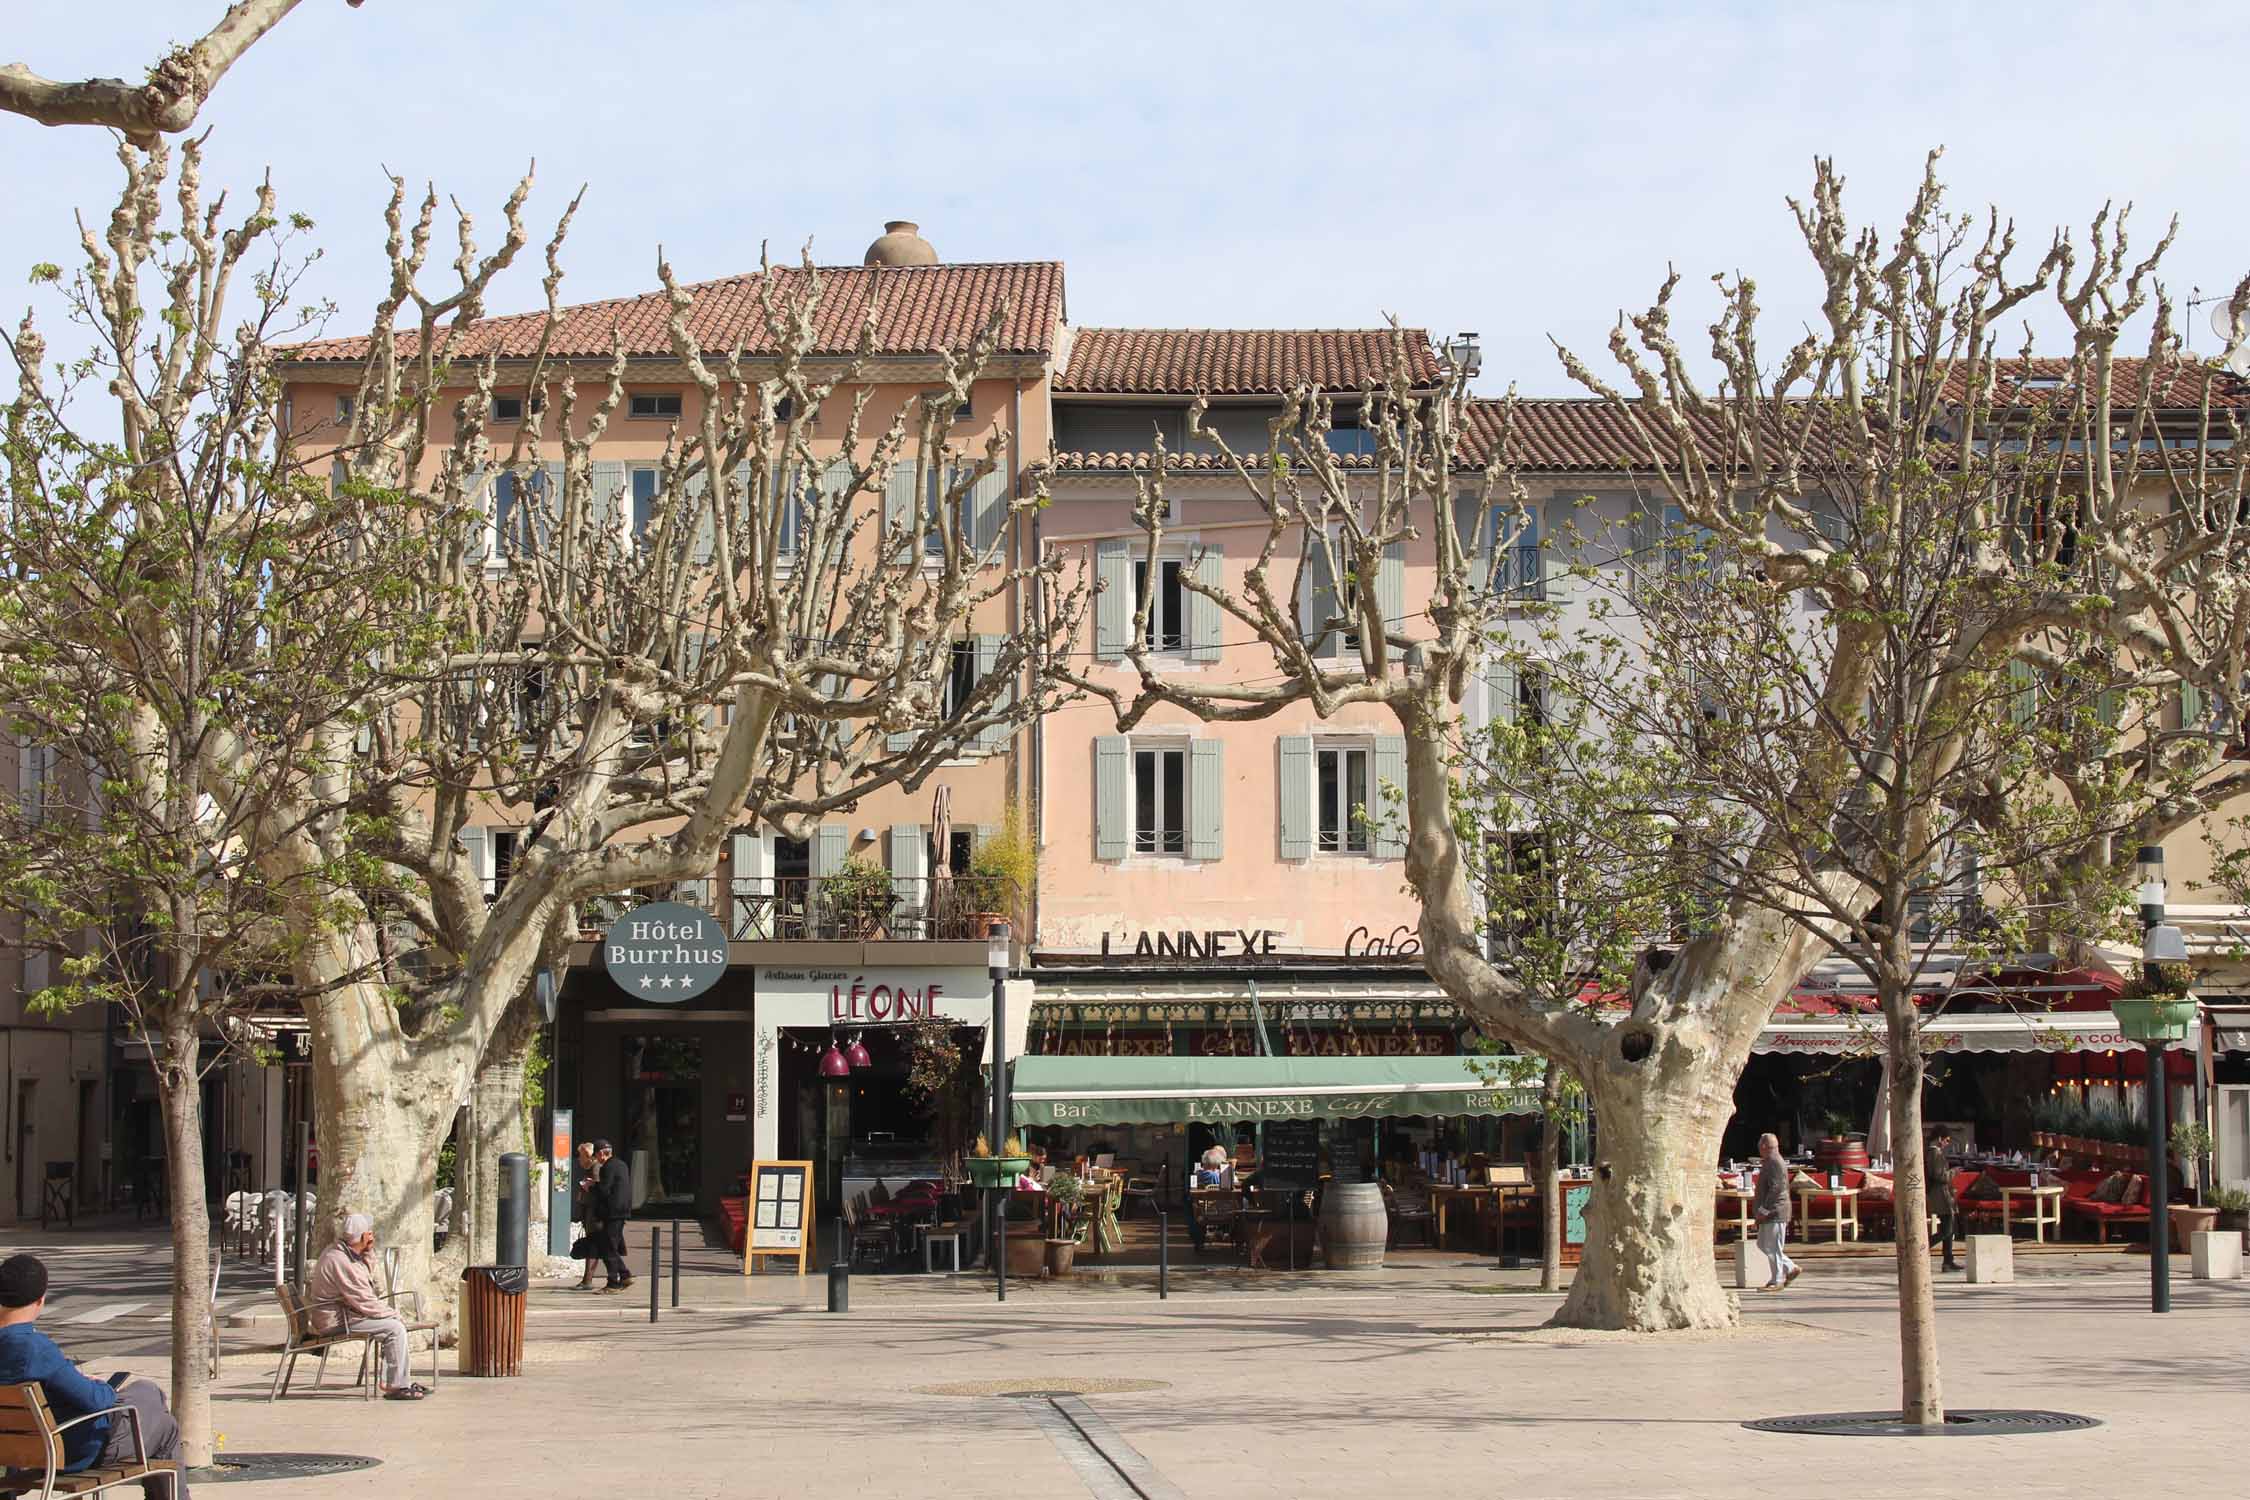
1164	1090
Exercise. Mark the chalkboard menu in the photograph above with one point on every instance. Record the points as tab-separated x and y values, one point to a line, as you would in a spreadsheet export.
1292	1159
780	1212
1343	1157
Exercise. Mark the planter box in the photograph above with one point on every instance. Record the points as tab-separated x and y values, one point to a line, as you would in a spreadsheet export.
2155	1017
996	1171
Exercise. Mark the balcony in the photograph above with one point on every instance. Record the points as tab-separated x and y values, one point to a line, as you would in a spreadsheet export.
825	909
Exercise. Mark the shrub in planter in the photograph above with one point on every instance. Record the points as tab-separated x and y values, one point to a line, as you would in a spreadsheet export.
857	897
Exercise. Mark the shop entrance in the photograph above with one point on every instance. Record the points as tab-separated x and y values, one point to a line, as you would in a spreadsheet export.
903	1116
663	1098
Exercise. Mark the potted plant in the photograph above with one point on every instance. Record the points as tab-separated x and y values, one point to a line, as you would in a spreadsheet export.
987	1170
2156	1006
2233	1205
856	898
1002	871
2191	1143
1066	1195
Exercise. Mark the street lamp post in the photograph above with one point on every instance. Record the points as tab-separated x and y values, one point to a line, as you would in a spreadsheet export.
996	963
2154	1017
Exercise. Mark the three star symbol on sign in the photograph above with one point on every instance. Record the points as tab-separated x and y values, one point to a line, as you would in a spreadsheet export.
666	982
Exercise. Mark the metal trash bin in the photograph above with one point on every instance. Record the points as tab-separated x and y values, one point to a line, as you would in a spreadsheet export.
492	1305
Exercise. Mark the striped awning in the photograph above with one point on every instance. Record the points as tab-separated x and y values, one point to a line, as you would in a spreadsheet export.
1168	1090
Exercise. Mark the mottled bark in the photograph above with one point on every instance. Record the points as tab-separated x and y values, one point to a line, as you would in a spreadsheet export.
180	1099
1921	1395
1550	1179
1648	1261
169	97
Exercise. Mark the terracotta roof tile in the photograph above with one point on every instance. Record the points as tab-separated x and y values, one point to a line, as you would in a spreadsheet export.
1071	462
1238	361
2181	383
924	309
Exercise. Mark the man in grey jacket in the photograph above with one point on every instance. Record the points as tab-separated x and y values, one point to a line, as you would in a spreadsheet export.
1770	1207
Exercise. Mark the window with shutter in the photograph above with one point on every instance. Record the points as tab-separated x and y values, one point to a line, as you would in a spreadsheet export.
1295	816
1204	618
1113	606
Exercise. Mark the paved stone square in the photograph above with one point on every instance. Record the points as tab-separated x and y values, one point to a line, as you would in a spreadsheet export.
1431	1381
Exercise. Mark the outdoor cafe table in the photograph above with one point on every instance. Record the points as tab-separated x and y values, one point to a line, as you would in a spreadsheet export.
1443	1194
1843	1210
2045	1209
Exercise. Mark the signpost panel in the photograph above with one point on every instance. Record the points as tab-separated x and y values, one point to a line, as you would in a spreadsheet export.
559	1184
781	1206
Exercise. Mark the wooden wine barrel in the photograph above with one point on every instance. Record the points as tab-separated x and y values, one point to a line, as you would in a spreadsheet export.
1834	1155
1354	1226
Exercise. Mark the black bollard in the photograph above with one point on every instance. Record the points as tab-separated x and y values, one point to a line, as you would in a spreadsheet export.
1163	1250
655	1266
675	1265
840	1273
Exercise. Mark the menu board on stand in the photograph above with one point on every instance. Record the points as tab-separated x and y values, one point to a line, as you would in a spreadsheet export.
780	1213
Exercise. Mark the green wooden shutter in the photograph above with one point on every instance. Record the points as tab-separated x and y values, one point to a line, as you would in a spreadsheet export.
831	842
1296	810
2191	705
1204	618
2110	707
1113	608
1468	527
1386	818
1112	764
1390	587
1206	799
994	736
2023	700
1531	560
899	508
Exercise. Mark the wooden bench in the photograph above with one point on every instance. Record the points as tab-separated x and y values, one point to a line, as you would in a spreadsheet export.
31	1443
303	1339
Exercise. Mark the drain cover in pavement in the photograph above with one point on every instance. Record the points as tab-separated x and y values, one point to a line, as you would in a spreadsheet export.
1021	1385
1962	1423
245	1468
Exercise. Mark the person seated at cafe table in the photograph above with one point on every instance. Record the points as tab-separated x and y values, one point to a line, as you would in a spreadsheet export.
1216	1169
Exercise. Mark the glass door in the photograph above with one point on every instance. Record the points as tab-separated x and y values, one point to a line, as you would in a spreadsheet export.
663	1144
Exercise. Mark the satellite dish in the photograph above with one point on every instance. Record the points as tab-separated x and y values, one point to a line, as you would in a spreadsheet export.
2234	338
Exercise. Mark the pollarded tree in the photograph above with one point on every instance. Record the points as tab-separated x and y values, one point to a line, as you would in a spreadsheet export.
767	637
182	612
1889	387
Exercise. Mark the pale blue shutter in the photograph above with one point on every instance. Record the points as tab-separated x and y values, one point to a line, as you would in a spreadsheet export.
478	843
988	509
2191	705
1204	619
1531	560
702	493
1296	812
1112	764
994	736
1386	817
1499	689
899	508
1318	604
479	503
831	842
607	502
1113	607
1206	799
1390	587
1468	528
746	858
909	862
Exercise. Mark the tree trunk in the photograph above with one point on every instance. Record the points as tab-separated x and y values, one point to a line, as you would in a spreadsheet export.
379	1126
1921	1400
494	1125
1550	1179
1649	1262
179	1095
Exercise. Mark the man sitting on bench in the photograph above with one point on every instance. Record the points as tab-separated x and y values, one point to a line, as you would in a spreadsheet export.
27	1356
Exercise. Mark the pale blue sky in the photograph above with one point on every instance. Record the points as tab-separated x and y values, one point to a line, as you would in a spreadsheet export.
1518	170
